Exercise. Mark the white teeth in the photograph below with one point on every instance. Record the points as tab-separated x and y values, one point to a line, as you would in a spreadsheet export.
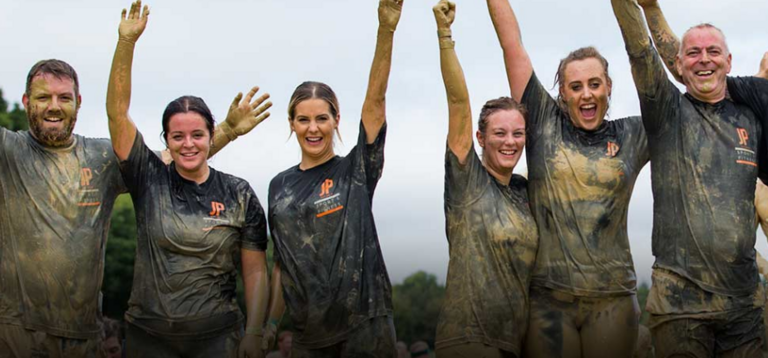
53	119
588	106
508	152
314	139
704	73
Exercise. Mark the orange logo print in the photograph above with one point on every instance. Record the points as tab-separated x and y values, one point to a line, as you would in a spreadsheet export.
743	136
216	208
325	189
85	176
613	148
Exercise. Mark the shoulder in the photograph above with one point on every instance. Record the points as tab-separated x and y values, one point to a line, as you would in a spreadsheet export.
232	182
96	144
281	177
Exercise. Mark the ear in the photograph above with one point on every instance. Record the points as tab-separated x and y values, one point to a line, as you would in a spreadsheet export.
79	101
290	123
679	66
480	139
338	120
25	101
730	57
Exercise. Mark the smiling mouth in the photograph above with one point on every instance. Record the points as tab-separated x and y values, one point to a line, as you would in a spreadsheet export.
704	73
508	152
314	140
53	120
588	110
189	155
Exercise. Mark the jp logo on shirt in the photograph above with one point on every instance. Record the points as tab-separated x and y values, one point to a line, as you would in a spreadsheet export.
744	155
329	203
613	149
216	208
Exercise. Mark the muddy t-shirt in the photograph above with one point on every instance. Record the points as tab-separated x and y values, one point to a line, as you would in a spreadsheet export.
55	206
703	168
333	272
580	184
493	241
753	92
190	239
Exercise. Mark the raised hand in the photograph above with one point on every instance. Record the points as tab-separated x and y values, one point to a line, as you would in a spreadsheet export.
445	13
245	114
389	14
133	22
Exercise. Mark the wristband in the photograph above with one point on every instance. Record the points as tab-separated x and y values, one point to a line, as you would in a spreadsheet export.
444	33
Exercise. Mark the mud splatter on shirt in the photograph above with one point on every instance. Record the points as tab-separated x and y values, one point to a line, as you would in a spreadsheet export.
493	241
321	221
580	184
55	206
190	238
704	167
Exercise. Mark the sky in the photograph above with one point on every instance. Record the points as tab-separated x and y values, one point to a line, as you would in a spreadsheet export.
215	49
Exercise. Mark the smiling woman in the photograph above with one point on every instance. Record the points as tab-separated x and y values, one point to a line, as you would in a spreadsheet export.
197	227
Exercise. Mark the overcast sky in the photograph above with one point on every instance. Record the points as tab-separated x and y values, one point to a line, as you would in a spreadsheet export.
215	49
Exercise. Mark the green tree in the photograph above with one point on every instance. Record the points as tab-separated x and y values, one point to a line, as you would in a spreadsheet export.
121	252
417	303
642	298
15	119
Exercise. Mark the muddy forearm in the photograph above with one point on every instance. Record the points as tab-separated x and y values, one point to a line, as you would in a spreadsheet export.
632	26
222	136
256	289
121	129
516	60
276	301
374	107
667	43
459	113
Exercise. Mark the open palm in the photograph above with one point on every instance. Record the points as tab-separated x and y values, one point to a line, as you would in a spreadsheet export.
133	22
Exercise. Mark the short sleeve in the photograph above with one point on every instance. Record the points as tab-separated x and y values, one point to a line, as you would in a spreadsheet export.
141	163
369	158
753	93
465	183
658	95
543	110
254	232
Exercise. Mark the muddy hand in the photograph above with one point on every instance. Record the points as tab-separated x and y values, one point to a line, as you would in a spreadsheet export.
245	113
445	13
133	22
763	67
389	13
646	3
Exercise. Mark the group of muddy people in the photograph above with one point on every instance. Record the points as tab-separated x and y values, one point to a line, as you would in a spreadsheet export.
539	266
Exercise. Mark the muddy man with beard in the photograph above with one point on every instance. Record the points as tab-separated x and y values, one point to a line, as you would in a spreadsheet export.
582	172
57	190
705	299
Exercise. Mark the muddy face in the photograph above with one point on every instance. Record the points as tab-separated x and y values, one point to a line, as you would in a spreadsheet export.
189	143
585	92
314	126
52	107
502	142
703	63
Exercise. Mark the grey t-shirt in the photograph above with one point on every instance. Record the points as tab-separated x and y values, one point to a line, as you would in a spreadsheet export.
321	220
493	241
55	207
580	183
190	239
704	168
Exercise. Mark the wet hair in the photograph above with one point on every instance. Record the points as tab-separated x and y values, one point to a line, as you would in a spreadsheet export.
578	55
496	105
309	90
53	67
185	104
703	26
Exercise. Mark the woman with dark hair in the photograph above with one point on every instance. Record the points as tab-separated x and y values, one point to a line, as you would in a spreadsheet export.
328	264
582	169
196	226
490	228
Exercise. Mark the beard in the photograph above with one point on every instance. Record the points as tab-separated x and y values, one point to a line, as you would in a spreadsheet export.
51	137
